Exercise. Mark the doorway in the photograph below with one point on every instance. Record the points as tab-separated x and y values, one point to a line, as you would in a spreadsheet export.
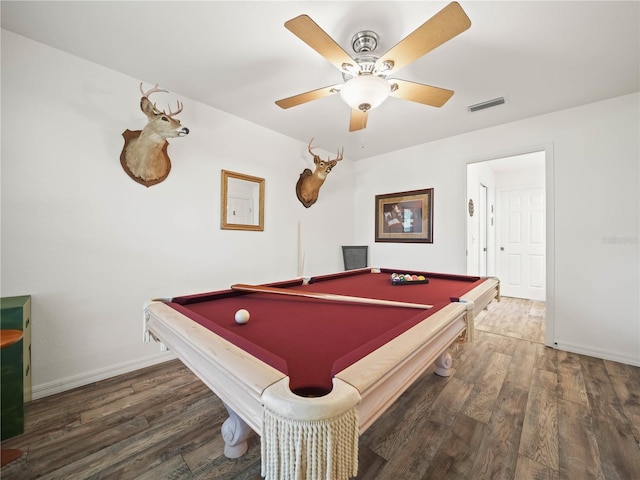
506	223
496	179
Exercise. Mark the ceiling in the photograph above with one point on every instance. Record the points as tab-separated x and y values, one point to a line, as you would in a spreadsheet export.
541	56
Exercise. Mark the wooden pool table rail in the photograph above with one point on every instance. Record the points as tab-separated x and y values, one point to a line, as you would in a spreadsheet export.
245	384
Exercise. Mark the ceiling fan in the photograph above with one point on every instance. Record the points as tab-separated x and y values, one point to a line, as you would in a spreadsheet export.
366	85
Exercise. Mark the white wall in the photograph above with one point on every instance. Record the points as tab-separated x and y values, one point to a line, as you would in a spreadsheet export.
91	245
523	178
592	182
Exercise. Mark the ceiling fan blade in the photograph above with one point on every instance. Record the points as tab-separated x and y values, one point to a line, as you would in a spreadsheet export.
308	96
310	33
358	120
418	92
442	27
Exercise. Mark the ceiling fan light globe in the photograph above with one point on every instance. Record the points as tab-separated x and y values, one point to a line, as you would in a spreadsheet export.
363	90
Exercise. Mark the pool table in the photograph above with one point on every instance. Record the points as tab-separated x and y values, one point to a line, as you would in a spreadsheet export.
310	374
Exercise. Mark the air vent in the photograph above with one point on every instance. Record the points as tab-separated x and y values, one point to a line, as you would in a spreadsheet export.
488	104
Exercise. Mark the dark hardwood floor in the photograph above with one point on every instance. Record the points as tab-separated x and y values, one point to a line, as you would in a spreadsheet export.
513	409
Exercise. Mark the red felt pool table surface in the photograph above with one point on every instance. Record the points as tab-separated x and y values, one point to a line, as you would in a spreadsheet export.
311	339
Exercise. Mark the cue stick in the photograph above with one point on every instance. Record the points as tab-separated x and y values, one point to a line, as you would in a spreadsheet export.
327	296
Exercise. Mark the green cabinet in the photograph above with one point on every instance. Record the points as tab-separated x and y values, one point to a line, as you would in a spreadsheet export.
15	365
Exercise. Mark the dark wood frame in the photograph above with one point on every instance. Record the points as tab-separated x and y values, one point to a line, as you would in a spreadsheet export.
418	201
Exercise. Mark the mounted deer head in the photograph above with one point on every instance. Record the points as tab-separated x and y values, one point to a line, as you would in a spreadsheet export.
309	183
144	156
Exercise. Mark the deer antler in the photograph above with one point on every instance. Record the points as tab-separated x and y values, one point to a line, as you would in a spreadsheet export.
337	159
310	147
171	114
153	90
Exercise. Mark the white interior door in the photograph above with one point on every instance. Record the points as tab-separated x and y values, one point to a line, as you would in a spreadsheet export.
239	210
522	243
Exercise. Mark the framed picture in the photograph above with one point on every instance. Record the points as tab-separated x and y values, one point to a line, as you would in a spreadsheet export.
405	217
242	202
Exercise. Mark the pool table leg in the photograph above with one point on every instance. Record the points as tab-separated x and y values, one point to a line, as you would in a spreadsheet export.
443	364
235	433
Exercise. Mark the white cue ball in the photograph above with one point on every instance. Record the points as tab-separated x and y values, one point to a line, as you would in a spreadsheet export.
242	316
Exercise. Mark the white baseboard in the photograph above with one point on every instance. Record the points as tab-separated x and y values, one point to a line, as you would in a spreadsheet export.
605	355
51	388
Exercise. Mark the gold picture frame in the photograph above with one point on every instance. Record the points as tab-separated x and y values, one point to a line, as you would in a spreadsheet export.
242	202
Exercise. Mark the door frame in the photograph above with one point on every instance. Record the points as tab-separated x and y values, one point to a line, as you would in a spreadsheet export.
483	237
548	150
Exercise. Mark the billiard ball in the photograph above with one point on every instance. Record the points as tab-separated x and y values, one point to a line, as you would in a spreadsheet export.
242	316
